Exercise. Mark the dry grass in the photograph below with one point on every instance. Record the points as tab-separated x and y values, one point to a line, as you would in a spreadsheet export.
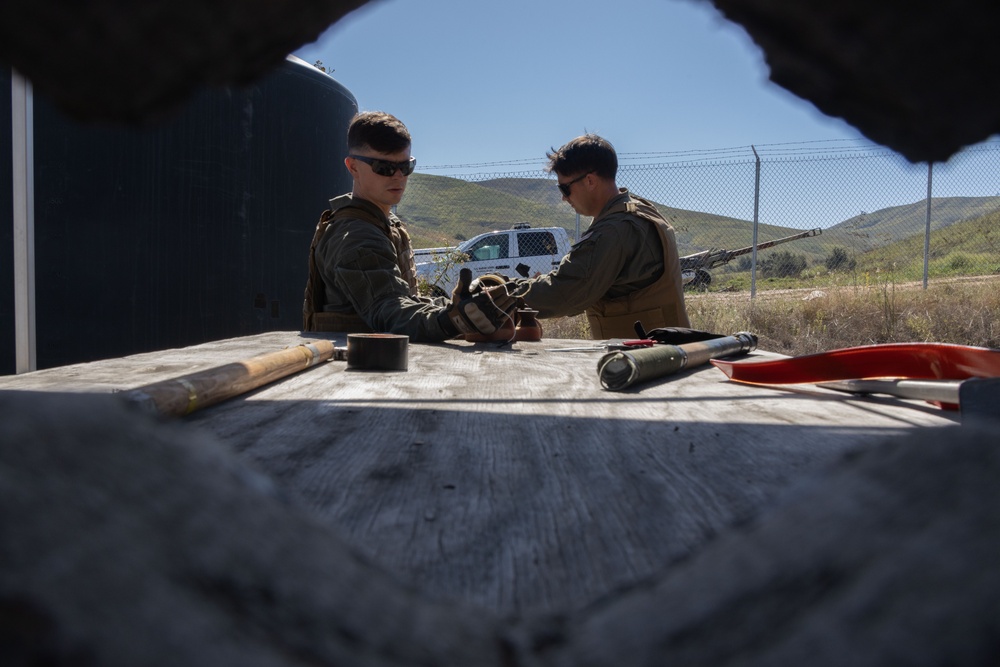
805	322
566	327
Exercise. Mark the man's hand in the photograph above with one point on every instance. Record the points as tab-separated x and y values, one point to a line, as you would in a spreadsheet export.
483	313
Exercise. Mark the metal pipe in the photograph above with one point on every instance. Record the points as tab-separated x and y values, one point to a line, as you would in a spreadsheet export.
756	210
23	163
621	369
927	230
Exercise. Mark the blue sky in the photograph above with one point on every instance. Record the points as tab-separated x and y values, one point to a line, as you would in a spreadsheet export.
481	82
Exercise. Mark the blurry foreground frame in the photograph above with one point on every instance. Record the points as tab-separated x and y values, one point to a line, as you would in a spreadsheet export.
113	60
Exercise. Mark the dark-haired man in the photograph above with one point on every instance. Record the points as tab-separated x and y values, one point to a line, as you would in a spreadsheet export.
625	267
361	271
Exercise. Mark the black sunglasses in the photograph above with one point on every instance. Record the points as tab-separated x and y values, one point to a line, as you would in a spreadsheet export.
387	168
564	188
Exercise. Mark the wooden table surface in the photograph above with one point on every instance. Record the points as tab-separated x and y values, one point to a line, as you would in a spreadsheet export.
506	476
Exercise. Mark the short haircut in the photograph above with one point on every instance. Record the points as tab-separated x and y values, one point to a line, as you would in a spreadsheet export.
379	131
584	154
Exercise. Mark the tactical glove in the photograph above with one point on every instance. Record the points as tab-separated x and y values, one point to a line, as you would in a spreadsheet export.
483	313
675	335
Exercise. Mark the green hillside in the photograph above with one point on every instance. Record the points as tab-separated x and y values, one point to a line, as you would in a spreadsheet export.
964	248
873	229
542	190
443	211
969	247
440	210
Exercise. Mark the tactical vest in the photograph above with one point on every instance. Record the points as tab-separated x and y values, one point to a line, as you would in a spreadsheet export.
314	318
660	304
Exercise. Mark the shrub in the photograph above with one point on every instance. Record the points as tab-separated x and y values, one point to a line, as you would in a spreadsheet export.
959	262
782	264
839	260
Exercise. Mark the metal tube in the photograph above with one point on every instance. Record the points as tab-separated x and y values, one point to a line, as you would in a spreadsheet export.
23	163
756	210
621	369
927	230
943	391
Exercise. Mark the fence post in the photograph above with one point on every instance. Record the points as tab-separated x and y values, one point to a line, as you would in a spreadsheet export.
927	230
756	209
22	132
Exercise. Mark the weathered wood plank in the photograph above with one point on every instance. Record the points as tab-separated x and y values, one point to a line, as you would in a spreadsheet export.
506	477
125	540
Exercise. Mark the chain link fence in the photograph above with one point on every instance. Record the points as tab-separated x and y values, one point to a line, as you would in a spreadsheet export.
836	213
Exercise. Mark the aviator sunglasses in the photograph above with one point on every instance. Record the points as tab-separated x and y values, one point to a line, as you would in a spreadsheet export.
387	168
564	188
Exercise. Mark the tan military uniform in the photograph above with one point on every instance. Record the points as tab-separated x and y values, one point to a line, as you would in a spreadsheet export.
624	268
362	276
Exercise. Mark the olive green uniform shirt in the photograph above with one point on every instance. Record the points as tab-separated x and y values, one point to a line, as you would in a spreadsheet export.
358	264
618	254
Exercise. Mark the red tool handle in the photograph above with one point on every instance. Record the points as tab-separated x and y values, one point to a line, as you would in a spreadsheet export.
925	361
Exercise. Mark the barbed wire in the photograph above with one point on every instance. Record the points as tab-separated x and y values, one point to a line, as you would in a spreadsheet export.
476	165
832	146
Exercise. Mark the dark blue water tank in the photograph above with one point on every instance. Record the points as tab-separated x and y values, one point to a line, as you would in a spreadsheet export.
193	230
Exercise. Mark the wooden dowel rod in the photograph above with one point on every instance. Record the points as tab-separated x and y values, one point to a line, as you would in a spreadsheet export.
183	395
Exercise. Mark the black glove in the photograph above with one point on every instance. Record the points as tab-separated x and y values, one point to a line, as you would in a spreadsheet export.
483	313
675	335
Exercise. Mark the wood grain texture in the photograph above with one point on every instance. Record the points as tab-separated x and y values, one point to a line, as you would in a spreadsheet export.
506	477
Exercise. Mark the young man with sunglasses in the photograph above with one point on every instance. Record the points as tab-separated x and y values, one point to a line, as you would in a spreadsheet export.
625	268
361	271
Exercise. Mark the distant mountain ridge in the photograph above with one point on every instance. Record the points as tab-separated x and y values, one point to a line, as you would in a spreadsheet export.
878	228
443	211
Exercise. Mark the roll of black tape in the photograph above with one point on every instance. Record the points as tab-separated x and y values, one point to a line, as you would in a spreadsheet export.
377	352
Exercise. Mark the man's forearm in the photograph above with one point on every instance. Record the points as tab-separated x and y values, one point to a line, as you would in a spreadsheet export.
554	296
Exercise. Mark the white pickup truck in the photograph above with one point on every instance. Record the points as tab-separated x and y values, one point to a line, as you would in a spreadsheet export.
517	252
